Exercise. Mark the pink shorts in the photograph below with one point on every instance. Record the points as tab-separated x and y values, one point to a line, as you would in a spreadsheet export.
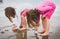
47	9
48	13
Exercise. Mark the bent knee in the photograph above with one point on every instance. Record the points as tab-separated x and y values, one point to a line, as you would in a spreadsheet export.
42	17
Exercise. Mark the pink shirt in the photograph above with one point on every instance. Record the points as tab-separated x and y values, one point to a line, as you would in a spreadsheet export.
23	13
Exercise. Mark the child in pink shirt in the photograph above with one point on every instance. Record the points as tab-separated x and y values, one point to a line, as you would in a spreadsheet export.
46	9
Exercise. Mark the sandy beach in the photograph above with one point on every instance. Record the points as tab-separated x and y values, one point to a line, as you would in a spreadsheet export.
54	32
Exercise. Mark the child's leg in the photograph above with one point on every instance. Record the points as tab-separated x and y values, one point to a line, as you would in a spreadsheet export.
46	25
43	24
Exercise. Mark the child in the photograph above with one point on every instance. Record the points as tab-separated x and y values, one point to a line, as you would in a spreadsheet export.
11	15
30	17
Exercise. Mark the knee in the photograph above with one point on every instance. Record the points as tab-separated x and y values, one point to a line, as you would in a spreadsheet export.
43	18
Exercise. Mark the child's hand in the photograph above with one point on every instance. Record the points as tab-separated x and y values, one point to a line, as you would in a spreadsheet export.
14	28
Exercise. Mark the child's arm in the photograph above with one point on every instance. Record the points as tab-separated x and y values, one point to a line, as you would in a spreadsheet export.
23	21
14	24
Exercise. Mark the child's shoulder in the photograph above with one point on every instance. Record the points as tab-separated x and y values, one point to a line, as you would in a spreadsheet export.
23	13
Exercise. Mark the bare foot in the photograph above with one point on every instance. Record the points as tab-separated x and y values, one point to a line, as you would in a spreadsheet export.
44	34
42	31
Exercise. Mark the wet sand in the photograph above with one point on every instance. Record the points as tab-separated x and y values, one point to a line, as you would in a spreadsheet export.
27	35
54	32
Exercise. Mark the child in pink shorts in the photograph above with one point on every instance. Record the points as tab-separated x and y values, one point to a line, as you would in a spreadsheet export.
32	17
